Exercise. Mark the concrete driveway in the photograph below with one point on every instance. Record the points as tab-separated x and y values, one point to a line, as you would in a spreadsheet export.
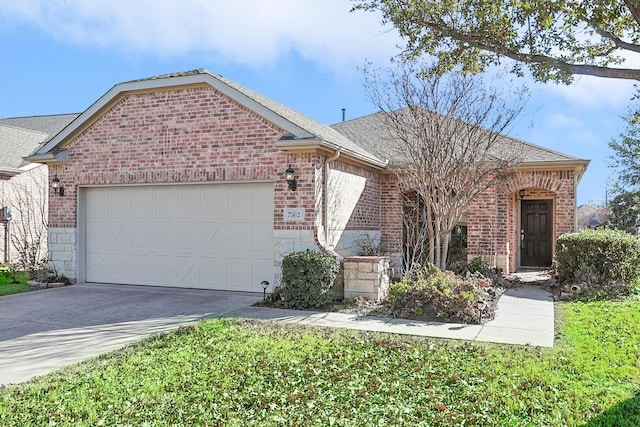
41	331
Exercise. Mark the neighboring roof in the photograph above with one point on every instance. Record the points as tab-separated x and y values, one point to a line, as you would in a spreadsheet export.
50	125
302	128
370	133
21	136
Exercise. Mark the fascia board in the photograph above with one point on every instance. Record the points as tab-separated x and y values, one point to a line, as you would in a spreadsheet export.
159	84
60	157
317	144
561	164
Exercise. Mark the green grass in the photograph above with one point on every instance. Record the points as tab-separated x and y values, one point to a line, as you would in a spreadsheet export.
227	372
7	285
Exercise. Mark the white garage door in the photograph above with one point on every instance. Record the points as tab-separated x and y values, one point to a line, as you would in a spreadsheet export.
214	236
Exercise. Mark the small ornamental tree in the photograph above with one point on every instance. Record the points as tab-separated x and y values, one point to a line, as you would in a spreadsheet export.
445	135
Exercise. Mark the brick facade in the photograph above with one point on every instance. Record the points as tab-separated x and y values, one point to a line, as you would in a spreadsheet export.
494	217
195	135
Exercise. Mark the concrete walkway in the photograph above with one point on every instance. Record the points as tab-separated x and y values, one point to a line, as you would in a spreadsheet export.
524	316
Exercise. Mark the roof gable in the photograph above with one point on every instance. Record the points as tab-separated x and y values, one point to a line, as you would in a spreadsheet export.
297	125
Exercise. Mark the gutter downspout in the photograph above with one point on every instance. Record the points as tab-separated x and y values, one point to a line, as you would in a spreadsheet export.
325	207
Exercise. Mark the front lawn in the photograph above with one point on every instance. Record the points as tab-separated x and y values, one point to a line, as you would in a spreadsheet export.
13	283
228	372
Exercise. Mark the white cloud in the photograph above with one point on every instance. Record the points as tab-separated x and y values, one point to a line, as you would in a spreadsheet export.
247	32
595	93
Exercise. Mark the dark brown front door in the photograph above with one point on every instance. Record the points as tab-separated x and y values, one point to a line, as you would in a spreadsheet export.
535	233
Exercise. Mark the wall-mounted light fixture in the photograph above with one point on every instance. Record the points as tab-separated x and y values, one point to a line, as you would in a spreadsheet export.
520	195
58	189
290	177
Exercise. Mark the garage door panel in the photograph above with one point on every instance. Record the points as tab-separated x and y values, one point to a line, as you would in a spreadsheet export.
118	236
214	271
189	237
189	202
97	205
241	203
239	273
141	203
96	235
217	236
214	202
241	241
142	270
165	202
165	236
141	235
164	270
188	271
119	204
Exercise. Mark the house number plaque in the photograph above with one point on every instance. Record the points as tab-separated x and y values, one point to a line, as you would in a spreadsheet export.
293	214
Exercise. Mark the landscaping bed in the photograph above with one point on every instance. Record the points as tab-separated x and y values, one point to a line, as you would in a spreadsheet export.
429	295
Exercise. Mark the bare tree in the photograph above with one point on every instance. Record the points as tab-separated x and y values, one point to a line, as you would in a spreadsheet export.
28	198
447	144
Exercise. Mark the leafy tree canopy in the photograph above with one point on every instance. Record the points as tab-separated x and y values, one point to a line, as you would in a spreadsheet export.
625	211
626	150
555	39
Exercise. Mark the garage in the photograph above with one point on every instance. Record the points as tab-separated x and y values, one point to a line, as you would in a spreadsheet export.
210	236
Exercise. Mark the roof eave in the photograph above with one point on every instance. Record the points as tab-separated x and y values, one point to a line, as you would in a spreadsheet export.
321	146
577	164
48	158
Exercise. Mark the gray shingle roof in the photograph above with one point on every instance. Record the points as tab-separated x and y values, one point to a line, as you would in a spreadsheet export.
21	136
50	125
370	133
322	131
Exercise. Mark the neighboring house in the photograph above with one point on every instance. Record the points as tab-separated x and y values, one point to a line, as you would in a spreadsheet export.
24	186
179	180
591	216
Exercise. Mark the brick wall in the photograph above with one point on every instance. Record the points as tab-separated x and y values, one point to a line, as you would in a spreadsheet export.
494	217
353	200
391	216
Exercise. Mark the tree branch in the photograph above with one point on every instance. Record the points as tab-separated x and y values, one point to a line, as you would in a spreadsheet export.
569	68
621	44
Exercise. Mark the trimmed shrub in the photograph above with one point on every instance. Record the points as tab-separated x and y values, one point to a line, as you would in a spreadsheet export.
307	279
608	261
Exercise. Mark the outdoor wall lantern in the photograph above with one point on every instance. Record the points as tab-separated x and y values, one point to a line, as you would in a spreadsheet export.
265	285
57	188
521	194
290	177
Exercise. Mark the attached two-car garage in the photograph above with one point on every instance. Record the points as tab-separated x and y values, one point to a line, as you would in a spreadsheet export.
213	236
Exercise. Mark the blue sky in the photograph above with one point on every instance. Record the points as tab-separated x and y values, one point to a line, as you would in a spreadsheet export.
59	56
